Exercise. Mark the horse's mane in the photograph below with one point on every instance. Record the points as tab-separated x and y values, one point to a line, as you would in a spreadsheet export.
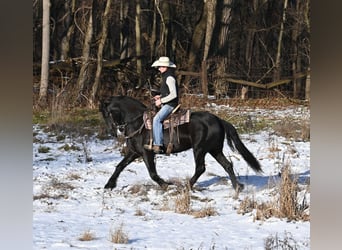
133	101
128	103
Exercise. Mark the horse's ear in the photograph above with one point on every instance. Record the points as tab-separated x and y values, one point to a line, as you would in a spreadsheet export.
113	110
104	102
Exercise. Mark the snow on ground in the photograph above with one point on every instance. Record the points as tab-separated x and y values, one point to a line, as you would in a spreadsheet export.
69	200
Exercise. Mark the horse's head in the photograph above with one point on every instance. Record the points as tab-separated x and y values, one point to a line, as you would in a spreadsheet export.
119	112
111	115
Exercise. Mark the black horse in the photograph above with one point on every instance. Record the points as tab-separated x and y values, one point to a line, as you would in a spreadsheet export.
204	133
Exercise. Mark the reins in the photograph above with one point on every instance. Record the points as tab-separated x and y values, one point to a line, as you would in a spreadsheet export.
138	131
123	126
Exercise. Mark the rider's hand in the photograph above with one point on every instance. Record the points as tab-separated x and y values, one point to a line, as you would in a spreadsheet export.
157	102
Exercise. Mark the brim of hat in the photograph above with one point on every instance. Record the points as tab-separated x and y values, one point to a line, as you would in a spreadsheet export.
161	64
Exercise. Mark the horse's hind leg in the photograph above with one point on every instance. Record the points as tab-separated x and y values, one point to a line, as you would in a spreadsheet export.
228	167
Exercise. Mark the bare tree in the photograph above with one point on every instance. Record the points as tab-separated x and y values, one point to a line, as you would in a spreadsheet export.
85	55
153	38
104	33
307	23
230	39
163	9
211	19
124	29
276	75
138	41
197	38
65	43
45	54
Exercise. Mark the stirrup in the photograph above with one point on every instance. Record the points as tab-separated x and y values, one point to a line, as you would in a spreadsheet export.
148	147
158	149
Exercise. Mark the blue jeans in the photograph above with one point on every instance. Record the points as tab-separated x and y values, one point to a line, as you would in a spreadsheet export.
158	124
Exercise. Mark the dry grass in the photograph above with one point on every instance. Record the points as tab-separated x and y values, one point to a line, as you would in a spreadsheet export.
274	242
118	236
139	190
139	212
284	205
206	211
266	210
288	194
55	189
87	236
180	201
57	184
43	149
291	128
183	201
74	176
247	205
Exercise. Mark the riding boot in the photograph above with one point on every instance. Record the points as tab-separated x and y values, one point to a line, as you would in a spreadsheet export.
155	148
148	147
158	149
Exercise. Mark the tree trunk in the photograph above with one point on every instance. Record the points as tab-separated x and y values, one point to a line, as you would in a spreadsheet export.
65	46
250	39
211	7
153	39
102	41
307	86
296	58
164	14
276	73
138	41
165	9
224	29
307	23
197	39
124	33
45	54
82	77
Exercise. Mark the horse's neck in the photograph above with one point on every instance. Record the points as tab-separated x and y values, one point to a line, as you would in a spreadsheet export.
133	118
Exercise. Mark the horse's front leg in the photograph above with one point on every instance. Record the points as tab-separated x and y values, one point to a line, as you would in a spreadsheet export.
151	167
131	156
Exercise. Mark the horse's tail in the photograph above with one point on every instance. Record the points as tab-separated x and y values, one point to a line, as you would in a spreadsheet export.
235	142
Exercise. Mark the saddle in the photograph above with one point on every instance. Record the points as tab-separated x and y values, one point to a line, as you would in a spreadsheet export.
177	117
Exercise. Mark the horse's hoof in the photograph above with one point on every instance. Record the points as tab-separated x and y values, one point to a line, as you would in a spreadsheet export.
240	187
164	186
109	186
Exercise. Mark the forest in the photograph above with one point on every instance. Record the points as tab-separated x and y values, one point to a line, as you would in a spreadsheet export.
85	50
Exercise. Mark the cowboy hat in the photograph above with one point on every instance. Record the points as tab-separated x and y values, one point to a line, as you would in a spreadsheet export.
163	61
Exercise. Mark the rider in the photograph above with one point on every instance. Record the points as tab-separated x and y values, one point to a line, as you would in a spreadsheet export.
167	100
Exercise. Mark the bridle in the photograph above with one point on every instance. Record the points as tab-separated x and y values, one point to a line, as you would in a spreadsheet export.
122	127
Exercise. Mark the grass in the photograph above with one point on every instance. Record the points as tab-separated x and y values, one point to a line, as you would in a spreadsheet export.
77	122
206	211
67	147
119	236
55	189
183	201
85	121
283	205
43	149
274	242
87	236
180	201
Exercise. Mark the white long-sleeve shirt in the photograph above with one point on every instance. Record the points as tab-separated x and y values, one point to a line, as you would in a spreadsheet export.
171	83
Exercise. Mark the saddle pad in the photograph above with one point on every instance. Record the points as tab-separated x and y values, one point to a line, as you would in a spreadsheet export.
180	117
